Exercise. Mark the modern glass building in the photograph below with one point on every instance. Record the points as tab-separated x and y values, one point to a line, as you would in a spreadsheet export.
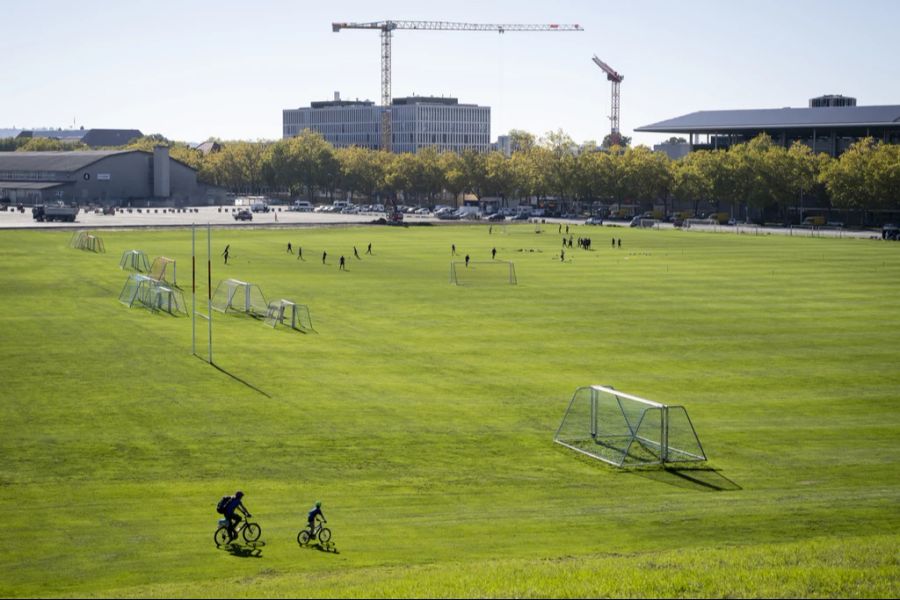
416	122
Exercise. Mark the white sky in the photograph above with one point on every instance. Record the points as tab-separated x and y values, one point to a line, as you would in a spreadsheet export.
226	68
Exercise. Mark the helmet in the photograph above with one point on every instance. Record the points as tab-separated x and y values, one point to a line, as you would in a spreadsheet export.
239	494
318	503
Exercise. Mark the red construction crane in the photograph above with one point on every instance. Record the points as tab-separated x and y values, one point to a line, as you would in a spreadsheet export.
386	27
616	78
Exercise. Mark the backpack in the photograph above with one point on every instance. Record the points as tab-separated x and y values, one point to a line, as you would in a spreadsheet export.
220	507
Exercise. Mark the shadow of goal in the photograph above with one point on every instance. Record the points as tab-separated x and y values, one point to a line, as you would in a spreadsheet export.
627	431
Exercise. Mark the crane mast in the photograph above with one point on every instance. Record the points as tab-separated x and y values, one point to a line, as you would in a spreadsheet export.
616	78
387	27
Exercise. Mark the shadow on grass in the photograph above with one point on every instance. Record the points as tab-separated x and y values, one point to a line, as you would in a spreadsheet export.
236	378
692	478
251	550
327	547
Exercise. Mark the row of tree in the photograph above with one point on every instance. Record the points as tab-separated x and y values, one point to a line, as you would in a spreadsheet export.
759	175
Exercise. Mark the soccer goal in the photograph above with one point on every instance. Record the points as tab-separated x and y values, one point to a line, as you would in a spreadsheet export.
150	293
627	431
295	316
483	272
239	296
134	260
163	269
649	223
83	240
688	223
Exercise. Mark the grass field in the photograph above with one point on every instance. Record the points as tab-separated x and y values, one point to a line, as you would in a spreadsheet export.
422	415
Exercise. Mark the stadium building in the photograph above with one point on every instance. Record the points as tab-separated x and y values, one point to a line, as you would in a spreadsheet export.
106	177
830	124
416	122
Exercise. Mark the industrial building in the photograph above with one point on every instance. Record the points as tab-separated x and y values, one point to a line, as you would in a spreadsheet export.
105	177
830	124
416	122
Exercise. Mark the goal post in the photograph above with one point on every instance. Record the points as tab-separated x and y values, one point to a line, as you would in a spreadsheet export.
134	260
239	296
163	269
84	240
285	312
628	431
147	292
486	272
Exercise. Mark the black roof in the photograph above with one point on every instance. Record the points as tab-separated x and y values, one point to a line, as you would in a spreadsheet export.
779	118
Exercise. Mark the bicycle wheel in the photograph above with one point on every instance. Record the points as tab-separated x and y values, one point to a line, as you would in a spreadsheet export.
303	537
324	535
222	536
251	532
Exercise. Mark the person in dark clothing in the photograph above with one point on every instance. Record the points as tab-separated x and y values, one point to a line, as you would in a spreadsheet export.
562	256
324	256
620	242
614	242
355	253
342	267
311	518
369	249
225	254
467	261
453	250
300	254
290	249
236	503
493	253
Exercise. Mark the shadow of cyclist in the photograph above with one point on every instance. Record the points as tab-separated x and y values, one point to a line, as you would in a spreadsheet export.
251	550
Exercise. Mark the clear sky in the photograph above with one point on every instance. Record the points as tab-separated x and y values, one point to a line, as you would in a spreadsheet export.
191	70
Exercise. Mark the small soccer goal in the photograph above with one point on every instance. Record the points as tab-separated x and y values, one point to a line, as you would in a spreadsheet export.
150	293
83	240
649	223
627	431
134	260
483	272
688	223
285	312
239	296
164	269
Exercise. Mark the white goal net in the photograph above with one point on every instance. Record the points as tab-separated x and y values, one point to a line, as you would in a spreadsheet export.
239	296
627	431
290	314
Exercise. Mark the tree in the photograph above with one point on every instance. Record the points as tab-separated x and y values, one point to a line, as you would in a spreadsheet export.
520	141
610	141
866	176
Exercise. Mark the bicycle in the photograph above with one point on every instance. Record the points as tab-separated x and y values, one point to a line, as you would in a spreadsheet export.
323	534
249	531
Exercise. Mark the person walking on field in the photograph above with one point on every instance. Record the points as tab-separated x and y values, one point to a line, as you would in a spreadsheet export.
324	256
300	254
493	253
355	253
467	261
369	249
342	267
290	249
225	254
452	249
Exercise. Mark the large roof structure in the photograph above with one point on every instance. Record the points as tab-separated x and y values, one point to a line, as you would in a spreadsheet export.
66	162
721	121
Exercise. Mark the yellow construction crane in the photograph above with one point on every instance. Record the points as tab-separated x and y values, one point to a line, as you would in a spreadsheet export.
386	27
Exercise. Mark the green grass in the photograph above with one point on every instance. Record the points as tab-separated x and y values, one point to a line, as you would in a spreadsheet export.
422	415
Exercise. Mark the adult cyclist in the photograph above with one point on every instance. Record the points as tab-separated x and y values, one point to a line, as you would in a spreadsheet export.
231	507
311	518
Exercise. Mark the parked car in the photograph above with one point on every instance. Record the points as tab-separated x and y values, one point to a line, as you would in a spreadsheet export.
594	221
243	215
521	217
496	217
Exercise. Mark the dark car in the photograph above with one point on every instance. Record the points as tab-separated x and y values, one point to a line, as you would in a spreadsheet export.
243	215
496	217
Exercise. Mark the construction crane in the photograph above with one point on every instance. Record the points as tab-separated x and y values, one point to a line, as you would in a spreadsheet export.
387	27
616	78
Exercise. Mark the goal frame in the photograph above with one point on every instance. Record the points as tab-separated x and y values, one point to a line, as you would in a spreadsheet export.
134	260
637	433
256	307
288	313
475	264
160	270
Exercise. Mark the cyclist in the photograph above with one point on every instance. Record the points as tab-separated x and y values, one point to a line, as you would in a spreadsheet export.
311	518
233	505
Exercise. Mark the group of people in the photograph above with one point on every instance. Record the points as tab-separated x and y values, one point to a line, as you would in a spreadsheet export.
230	505
290	250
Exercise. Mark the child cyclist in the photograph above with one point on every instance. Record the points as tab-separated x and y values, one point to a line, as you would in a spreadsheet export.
311	518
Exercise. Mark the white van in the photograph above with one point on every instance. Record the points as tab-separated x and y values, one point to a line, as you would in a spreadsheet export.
340	204
302	206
